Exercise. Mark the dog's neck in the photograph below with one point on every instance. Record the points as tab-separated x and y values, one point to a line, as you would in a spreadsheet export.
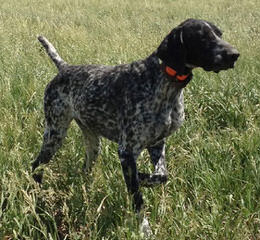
179	80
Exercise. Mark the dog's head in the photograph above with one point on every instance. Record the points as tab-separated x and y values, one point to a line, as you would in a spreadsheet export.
197	43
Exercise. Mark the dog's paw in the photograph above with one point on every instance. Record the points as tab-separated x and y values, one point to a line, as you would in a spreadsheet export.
145	229
38	177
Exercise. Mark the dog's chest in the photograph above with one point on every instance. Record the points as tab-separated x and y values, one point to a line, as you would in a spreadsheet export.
170	117
158	119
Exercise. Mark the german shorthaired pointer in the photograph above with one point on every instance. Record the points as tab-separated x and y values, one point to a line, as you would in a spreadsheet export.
136	105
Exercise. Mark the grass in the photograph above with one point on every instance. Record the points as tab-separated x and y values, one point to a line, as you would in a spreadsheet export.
213	160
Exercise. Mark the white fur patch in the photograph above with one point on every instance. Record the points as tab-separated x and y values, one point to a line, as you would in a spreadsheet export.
145	229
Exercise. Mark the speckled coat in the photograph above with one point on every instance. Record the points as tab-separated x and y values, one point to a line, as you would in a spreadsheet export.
136	105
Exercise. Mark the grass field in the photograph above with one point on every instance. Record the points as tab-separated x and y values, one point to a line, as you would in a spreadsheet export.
214	159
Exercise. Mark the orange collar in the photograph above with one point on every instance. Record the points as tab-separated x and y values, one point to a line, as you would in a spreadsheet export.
172	73
180	81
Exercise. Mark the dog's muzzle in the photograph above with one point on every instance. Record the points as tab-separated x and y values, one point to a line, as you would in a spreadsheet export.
223	60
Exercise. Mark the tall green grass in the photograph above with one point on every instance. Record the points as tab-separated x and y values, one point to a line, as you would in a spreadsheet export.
213	160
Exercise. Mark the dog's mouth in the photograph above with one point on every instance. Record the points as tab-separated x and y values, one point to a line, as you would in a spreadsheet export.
223	63
224	67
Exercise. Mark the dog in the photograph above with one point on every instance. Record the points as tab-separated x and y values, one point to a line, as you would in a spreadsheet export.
136	105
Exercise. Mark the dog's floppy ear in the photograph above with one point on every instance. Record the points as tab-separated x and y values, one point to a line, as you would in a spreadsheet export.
215	29
172	50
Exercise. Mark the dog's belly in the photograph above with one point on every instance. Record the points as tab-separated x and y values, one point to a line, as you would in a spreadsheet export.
147	133
100	123
144	129
95	111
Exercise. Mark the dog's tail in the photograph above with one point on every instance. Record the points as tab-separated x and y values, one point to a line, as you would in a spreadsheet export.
55	57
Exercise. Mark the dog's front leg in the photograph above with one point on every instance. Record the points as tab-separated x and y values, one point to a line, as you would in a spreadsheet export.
128	163
160	175
157	154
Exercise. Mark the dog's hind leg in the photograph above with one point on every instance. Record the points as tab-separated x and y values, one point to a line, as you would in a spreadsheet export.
52	141
57	120
92	143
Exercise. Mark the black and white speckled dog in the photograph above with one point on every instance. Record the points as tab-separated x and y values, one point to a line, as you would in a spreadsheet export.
136	105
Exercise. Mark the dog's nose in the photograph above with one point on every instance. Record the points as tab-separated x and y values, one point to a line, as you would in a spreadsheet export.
233	55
